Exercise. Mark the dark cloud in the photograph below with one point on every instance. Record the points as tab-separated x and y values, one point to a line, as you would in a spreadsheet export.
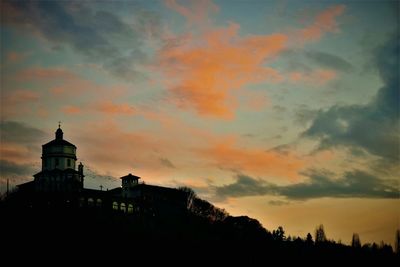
102	36
355	184
16	132
331	61
303	115
249	135
167	163
246	186
279	109
11	169
295	61
373	127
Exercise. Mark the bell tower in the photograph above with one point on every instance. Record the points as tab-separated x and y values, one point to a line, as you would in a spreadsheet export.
59	166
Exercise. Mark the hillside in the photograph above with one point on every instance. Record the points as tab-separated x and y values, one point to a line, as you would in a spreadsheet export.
203	227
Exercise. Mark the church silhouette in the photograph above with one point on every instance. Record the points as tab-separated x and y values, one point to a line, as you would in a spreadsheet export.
60	185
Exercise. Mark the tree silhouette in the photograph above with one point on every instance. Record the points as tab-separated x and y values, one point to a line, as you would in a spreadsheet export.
191	196
278	234
320	234
397	242
309	239
355	241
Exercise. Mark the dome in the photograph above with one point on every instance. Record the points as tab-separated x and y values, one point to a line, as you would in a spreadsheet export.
58	153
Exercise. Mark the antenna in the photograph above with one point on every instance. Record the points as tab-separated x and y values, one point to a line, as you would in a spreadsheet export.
8	187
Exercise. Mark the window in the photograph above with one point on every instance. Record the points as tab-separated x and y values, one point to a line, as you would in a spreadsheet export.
115	205
99	202
81	202
69	162
123	207
130	208
57	161
90	202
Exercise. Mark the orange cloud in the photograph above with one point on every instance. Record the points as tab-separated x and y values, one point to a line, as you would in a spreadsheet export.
316	77
202	72
21	96
253	100
254	161
324	22
71	110
111	108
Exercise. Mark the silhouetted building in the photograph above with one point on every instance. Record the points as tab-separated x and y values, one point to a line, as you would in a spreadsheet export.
60	184
58	167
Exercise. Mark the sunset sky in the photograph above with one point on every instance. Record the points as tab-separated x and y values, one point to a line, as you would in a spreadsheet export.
285	111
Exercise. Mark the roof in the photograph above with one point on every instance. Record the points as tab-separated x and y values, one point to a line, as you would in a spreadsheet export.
68	170
26	185
130	176
59	142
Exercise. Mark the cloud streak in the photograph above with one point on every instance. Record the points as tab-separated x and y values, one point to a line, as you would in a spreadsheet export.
324	22
11	169
354	184
16	132
327	60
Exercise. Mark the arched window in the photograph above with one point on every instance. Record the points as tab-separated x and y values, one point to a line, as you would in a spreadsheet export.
115	205
57	162
81	202
130	208
90	202
69	162
99	202
123	207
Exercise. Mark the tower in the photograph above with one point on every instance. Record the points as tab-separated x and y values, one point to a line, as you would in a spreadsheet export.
128	182
58	166
58	153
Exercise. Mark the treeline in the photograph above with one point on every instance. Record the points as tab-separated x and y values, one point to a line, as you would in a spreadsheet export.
202	231
245	228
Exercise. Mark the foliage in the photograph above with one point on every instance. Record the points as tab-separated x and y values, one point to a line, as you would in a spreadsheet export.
355	241
320	236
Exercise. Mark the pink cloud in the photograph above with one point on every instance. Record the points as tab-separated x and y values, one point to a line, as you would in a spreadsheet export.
40	74
71	110
202	71
228	154
18	102
111	108
316	77
324	22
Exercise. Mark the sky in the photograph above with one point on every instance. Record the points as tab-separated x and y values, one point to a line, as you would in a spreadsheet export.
285	111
